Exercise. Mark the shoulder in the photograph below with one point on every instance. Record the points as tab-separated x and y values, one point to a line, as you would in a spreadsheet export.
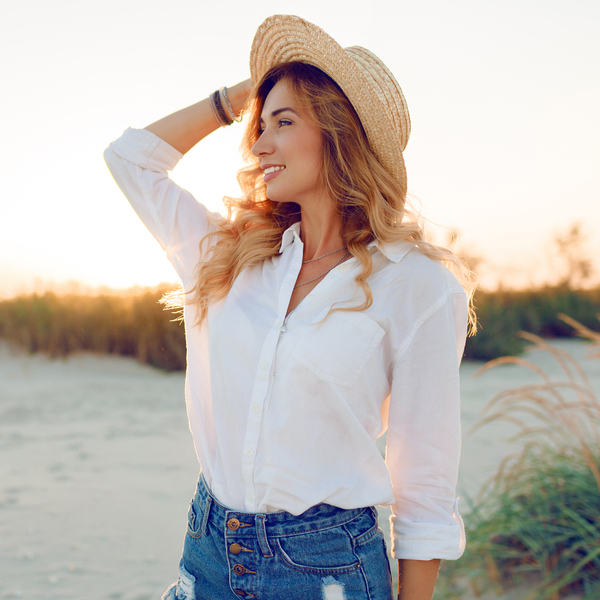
420	294
410	275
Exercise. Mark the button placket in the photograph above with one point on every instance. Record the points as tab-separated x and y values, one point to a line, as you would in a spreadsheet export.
282	329
262	382
240	557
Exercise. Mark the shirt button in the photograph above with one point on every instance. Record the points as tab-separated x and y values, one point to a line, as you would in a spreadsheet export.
249	452
264	365
344	268
250	497
255	408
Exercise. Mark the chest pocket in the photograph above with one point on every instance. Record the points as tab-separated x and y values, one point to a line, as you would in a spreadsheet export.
338	350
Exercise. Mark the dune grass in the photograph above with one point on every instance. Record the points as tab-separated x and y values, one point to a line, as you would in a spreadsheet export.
135	324
128	325
503	313
538	518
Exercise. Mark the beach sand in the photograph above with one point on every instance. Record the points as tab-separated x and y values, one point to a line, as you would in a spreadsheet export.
97	468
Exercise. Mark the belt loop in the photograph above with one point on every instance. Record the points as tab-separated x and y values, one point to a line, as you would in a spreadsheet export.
261	532
207	507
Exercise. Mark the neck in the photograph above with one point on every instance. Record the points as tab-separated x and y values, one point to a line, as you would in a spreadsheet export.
320	231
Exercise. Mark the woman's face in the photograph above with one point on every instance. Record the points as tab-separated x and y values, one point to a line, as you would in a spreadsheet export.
289	150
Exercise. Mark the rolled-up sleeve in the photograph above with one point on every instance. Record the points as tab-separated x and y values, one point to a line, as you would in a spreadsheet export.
139	162
423	440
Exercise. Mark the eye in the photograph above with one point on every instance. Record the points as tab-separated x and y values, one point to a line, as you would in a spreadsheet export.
280	123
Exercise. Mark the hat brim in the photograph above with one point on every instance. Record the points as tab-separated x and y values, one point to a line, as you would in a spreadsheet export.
288	38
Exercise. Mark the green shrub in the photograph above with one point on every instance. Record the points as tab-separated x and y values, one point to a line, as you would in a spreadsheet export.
133	325
538	519
502	314
541	519
136	325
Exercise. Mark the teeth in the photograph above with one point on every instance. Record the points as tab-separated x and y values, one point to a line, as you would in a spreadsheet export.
273	169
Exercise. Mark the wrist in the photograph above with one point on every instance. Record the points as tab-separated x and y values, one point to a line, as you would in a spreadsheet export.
238	94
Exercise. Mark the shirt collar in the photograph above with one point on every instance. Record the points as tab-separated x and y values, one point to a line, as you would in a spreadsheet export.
394	251
291	233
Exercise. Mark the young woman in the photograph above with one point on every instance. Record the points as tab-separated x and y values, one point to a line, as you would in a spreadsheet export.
317	318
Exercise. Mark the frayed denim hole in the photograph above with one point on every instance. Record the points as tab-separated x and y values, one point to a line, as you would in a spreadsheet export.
184	589
170	593
332	589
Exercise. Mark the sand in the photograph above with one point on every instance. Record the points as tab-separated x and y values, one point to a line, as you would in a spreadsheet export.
97	468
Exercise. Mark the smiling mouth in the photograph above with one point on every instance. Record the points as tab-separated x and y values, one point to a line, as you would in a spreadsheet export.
271	172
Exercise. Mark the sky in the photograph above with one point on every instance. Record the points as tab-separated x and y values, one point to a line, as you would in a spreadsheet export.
503	96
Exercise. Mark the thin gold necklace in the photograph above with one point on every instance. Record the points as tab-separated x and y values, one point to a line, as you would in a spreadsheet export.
305	262
339	262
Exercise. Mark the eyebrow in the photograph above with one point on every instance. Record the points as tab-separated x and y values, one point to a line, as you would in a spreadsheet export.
276	112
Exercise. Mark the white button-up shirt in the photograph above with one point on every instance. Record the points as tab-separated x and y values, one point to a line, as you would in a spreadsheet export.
285	413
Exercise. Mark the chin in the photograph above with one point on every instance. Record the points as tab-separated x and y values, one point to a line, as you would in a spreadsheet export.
278	196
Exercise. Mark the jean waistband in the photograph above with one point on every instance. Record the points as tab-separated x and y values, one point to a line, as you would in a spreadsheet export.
278	524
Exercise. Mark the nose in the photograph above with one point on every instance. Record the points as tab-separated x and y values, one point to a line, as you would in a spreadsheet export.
262	146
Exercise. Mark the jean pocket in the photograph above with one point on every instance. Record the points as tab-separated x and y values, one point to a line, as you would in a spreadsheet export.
364	527
326	551
194	520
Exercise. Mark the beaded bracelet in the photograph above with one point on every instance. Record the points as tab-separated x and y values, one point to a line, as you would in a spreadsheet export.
217	108
227	105
219	105
214	110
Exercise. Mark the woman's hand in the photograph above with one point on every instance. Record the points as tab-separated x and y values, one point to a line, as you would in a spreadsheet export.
185	128
238	94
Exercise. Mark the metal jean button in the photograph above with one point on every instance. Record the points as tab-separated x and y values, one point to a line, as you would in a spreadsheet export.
241	570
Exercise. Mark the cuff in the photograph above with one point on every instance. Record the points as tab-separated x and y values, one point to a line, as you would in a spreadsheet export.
426	541
145	149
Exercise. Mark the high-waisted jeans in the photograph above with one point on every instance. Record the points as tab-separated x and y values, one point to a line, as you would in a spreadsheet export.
326	553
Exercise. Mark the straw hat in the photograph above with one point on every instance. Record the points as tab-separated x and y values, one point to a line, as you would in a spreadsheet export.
366	81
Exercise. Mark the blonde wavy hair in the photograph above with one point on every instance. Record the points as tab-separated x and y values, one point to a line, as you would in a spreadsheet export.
371	203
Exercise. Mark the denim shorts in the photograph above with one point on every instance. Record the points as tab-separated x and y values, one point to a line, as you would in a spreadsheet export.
326	553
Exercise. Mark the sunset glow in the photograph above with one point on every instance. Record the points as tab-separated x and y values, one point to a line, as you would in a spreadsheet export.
503	99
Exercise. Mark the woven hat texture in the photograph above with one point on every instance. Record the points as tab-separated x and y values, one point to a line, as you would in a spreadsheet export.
362	76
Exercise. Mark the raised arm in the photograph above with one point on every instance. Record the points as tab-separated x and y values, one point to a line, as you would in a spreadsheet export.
186	127
139	162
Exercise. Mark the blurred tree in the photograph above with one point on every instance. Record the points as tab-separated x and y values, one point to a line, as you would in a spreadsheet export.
575	266
466	252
